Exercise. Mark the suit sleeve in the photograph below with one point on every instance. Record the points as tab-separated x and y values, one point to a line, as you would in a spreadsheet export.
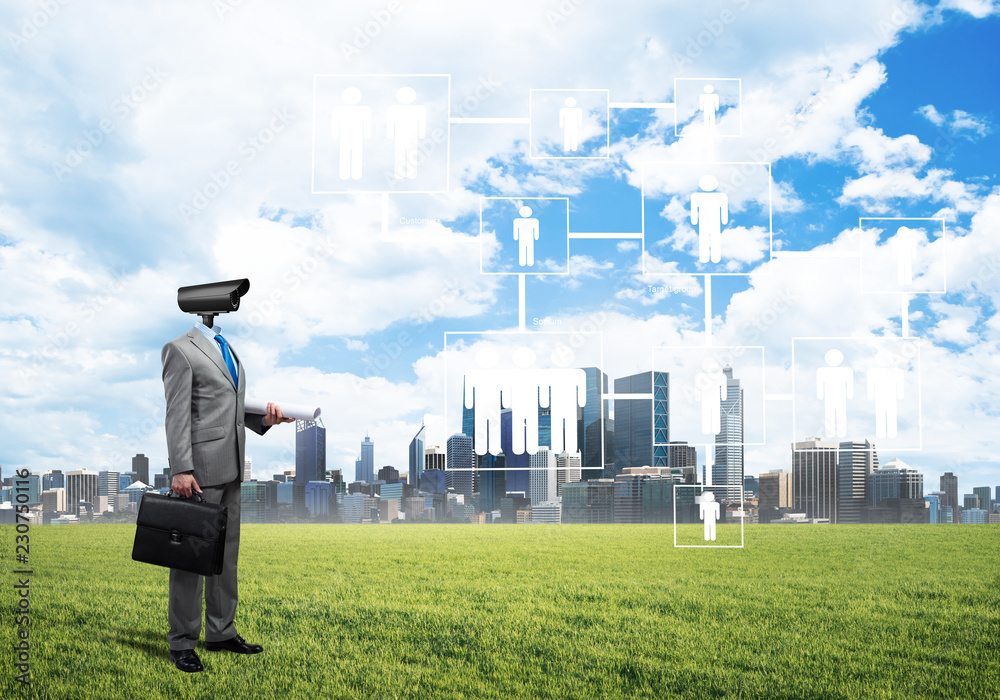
255	422
177	381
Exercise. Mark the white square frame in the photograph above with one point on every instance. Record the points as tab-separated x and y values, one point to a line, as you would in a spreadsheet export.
607	122
312	166
710	546
521	272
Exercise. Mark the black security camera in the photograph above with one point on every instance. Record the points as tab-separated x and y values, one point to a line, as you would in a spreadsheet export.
208	300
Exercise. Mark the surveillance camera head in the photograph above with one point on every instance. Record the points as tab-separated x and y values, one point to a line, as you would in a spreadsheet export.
208	300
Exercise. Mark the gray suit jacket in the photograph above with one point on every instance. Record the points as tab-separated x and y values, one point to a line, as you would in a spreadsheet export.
205	416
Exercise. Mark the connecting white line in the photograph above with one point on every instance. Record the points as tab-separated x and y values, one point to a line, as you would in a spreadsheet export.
812	254
489	120
520	300
708	310
905	315
641	105
588	234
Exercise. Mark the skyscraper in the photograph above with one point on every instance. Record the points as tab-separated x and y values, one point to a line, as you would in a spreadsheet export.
567	470
592	425
641	426
628	497
388	474
310	451
56	480
140	465
364	466
855	463
248	468
461	462
588	501
542	485
517	471
984	497
895	480
775	490
107	484
681	455
435	458
253	501
949	484
814	478
727	472
417	456
491	478
81	485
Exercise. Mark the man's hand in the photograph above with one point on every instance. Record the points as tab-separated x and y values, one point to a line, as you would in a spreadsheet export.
183	484
274	415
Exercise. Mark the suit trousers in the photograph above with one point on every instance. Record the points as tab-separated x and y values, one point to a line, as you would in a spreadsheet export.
184	605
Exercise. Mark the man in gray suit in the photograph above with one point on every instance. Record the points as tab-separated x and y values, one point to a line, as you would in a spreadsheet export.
204	384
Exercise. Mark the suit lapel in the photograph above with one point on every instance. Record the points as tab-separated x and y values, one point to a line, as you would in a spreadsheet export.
213	354
239	367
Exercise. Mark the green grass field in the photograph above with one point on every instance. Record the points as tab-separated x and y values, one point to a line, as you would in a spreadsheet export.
570	611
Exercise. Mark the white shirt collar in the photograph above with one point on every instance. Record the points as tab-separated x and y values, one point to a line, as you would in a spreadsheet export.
210	332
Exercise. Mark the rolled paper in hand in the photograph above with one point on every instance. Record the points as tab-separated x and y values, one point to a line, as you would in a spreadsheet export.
288	410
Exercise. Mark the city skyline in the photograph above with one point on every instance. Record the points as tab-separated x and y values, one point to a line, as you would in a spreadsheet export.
350	312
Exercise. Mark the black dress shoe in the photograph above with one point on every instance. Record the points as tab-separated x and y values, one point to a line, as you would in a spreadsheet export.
236	645
186	660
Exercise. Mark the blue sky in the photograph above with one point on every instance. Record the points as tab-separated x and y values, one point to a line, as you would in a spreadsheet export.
882	109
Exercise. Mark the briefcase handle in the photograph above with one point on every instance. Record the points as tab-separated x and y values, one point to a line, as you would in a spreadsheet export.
193	493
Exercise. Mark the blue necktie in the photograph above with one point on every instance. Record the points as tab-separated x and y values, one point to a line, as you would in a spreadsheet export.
228	357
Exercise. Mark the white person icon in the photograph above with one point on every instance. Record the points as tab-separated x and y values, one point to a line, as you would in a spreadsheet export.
709	511
709	212
904	249
406	124
525	233
571	121
708	102
483	386
712	388
835	385
524	389
352	124
885	388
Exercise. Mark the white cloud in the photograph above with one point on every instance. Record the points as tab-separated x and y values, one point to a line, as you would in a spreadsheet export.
958	122
954	324
976	8
806	73
963	121
874	151
932	115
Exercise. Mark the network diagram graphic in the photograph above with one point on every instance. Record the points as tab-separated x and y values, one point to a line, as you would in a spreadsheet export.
390	135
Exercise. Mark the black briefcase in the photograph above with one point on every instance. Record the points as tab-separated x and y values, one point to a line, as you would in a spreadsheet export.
180	533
